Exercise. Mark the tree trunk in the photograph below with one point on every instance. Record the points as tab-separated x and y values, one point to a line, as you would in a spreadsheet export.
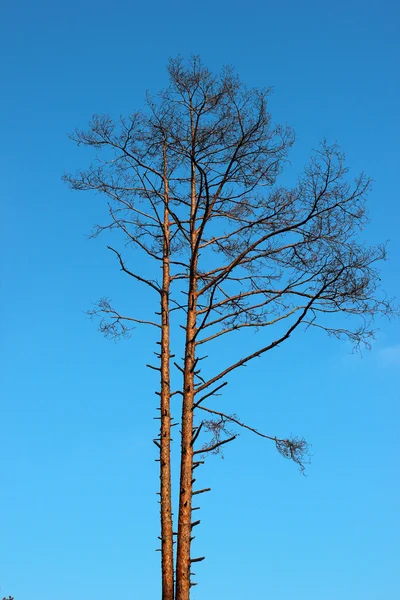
186	475
167	554
186	485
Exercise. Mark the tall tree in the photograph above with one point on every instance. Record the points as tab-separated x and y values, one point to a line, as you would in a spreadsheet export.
191	183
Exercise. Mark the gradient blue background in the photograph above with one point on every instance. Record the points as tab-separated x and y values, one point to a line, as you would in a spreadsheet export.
78	510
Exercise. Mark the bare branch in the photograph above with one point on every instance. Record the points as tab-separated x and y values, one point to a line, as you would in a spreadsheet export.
214	448
148	282
294	448
258	353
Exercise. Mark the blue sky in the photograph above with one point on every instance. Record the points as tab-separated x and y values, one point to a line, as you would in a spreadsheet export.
78	481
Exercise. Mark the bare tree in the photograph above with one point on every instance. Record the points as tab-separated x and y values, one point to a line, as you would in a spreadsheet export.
191	184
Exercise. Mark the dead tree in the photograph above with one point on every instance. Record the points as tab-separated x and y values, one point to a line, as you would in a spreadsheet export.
191	183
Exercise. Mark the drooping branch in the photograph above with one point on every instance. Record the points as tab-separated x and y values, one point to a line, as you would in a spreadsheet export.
297	449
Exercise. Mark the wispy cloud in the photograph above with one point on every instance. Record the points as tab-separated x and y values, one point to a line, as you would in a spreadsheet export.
391	355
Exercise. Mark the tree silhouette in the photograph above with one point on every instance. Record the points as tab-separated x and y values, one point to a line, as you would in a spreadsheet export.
191	183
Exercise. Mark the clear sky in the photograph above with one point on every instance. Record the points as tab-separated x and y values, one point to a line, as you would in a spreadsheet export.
78	481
